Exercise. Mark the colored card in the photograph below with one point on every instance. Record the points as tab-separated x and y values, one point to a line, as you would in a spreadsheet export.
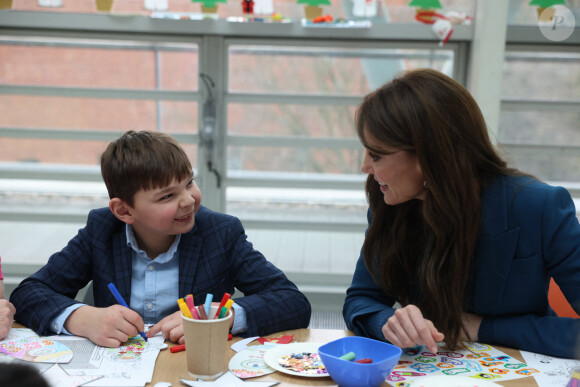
250	363
37	349
478	361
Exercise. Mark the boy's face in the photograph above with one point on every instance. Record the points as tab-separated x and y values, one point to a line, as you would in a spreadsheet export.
165	211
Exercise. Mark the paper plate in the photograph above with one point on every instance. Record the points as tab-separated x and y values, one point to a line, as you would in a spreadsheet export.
273	356
250	363
452	381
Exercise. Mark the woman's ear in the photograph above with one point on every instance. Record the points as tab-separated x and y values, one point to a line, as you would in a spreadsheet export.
121	210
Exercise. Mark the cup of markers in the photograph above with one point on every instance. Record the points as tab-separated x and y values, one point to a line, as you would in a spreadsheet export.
205	329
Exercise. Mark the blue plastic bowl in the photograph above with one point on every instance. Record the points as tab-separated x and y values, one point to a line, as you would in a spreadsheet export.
351	374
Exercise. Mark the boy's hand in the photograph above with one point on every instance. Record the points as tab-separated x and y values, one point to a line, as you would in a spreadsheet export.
6	317
407	328
107	327
171	326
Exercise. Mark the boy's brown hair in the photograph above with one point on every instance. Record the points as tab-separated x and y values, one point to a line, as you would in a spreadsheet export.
141	161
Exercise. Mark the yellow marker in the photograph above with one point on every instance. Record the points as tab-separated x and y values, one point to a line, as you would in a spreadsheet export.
228	305
184	309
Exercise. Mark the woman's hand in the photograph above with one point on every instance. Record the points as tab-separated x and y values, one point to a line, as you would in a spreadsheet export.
407	328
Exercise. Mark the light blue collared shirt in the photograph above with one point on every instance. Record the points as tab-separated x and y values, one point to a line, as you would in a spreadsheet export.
154	287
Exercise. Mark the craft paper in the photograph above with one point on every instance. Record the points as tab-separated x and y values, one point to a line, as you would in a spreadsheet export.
278	340
227	379
37	349
555	371
479	361
56	377
250	362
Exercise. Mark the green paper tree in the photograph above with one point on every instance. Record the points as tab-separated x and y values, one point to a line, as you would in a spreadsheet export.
209	3
546	3
314	3
426	4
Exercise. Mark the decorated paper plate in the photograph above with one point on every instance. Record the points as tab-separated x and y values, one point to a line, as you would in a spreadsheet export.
249	363
299	359
452	381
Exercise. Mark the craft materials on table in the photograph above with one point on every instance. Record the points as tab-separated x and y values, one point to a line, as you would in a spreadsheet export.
37	349
131	364
479	361
299	359
250	363
554	371
227	379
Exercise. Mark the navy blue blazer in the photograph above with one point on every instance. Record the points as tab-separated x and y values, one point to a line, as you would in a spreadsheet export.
530	233
214	257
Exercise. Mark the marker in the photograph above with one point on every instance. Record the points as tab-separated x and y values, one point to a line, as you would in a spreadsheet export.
191	306
184	309
177	348
229	304
225	298
348	356
364	361
208	299
202	314
223	313
120	300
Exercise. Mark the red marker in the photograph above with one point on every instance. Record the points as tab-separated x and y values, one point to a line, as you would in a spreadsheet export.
177	348
225	299
364	361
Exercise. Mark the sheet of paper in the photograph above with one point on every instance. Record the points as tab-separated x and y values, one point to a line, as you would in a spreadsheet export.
479	361
131	364
555	371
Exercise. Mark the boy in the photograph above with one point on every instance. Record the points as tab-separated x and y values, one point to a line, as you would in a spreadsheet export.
156	244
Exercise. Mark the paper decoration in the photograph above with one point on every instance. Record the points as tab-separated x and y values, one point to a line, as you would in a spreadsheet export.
243	344
277	340
50	3
37	349
545	10
313	8
209	6
56	376
263	7
156	5
364	8
227	379
479	361
250	362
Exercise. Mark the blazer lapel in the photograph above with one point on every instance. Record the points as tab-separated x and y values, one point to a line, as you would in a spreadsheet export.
123	261
495	250
189	253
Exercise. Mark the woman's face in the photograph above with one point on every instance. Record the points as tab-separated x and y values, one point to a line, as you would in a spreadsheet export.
397	171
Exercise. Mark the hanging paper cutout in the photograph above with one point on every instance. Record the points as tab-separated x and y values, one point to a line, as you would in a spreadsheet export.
545	8
364	8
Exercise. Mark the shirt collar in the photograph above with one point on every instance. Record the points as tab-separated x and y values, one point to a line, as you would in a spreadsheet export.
161	258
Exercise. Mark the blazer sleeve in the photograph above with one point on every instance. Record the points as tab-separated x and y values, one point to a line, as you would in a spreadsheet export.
548	334
271	301
41	297
366	307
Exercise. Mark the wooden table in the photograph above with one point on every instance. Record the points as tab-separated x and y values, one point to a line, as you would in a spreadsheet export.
170	367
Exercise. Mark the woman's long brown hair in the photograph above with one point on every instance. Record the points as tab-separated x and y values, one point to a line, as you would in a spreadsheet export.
420	251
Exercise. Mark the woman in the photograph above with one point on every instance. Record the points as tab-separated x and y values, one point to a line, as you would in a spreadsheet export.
463	243
6	310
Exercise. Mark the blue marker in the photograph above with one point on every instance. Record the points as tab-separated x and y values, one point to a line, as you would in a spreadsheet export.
120	300
207	305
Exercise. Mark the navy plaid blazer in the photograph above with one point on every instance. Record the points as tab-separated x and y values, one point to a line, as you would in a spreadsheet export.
214	257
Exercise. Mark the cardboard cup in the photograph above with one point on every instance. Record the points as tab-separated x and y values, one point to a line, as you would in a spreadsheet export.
206	343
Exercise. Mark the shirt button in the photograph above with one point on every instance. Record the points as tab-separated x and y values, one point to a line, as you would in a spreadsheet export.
150	268
55	327
149	306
